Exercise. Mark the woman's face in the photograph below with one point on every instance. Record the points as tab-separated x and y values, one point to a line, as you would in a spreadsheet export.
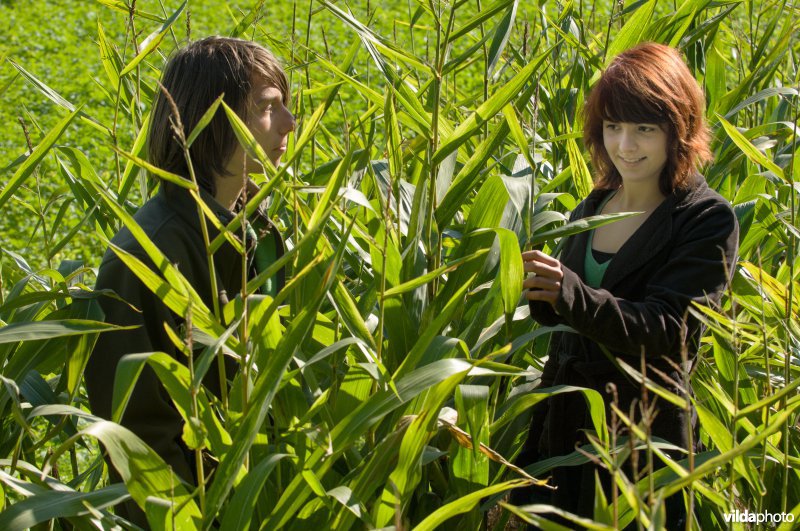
637	150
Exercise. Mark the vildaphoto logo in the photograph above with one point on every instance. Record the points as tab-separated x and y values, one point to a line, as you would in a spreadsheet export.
742	517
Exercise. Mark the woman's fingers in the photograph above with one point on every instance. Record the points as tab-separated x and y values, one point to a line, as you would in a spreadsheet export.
541	283
542	295
539	256
540	264
544	284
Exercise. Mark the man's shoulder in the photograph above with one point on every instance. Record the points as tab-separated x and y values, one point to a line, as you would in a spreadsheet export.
162	225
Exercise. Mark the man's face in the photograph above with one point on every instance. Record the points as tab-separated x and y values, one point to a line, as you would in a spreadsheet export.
270	123
269	120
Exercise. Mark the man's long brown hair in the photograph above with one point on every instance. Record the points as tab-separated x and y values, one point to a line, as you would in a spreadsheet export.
195	76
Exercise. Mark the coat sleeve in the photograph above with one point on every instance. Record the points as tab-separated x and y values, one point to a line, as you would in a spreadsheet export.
150	413
696	271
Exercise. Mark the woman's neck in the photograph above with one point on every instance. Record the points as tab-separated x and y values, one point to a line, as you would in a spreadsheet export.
638	197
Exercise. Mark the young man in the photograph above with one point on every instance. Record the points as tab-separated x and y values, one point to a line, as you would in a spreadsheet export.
255	86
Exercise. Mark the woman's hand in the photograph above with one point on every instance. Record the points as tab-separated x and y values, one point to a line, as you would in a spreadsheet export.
545	283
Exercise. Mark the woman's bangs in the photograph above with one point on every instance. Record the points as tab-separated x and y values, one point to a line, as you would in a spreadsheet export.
625	105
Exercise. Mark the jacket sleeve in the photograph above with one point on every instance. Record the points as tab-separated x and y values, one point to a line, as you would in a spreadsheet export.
150	413
694	272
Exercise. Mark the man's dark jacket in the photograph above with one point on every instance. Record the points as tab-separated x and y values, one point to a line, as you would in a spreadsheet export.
682	253
170	219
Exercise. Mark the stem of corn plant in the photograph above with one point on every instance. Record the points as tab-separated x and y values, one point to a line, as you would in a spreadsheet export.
40	212
767	369
687	385
442	45
177	126
613	466
790	258
198	452
298	295
608	30
735	397
243	326
433	258
138	92
647	421
485	50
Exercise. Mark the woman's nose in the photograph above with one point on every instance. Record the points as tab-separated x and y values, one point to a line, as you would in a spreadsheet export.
627	141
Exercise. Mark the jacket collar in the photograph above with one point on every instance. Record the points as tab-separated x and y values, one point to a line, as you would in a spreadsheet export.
641	247
182	203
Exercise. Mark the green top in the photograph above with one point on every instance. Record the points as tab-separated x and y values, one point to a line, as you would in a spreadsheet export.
595	270
265	253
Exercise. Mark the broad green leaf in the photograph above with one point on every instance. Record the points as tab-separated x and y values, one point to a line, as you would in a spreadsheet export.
158	172
580	225
33	160
632	32
580	171
177	300
239	511
424	279
125	9
58	99
152	41
749	150
465	503
42	330
482	16
501	35
488	110
145	473
57	504
511	272
470	468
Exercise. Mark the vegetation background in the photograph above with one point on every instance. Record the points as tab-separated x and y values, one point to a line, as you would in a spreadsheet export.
435	140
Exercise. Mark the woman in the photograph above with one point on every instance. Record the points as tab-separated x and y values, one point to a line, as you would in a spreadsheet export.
255	86
627	287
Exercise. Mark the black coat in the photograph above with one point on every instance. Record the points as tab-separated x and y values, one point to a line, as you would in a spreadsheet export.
683	253
170	219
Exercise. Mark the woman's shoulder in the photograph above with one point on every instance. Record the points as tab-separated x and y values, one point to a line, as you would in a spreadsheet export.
700	198
702	211
699	194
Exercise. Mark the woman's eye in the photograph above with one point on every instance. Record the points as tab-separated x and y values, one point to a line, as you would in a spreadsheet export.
646	129
611	127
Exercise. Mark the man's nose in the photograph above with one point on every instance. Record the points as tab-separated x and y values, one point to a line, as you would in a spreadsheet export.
290	123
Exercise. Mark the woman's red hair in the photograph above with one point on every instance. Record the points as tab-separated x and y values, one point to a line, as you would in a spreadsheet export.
649	84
